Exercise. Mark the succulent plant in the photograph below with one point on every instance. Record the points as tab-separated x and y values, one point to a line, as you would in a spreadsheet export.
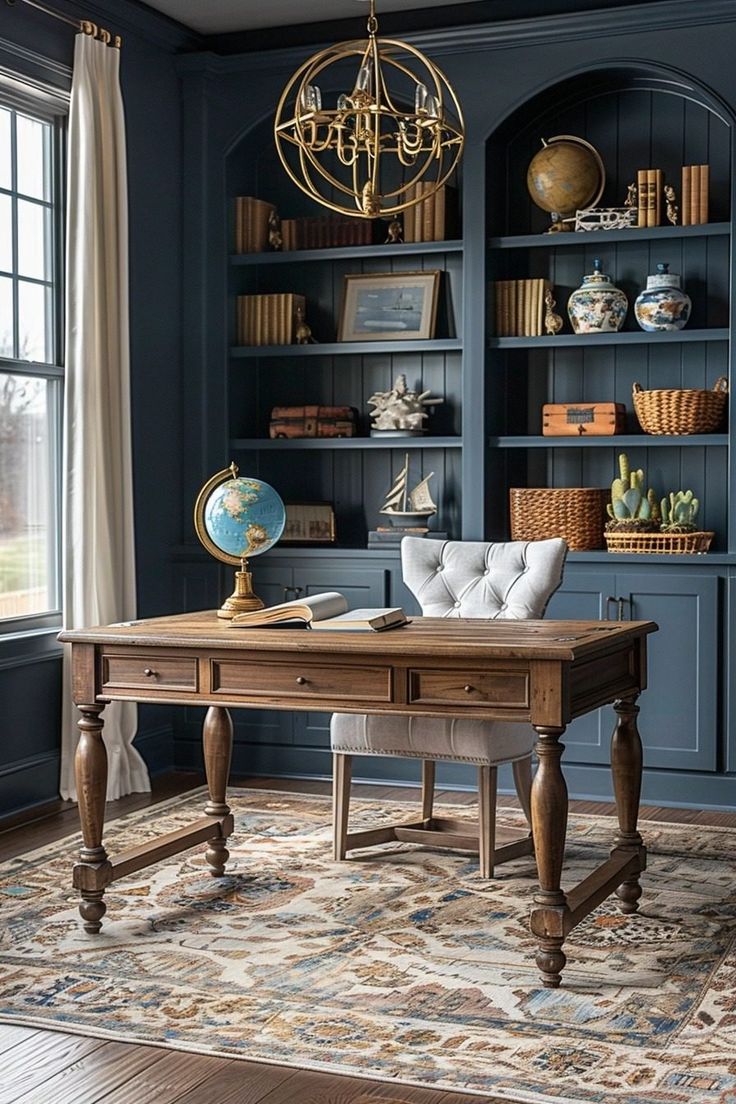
630	506
679	512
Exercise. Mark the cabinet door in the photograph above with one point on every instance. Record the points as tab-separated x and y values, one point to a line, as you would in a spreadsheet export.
583	597
272	582
679	709
365	588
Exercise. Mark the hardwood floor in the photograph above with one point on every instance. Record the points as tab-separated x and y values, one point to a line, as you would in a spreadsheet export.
49	1067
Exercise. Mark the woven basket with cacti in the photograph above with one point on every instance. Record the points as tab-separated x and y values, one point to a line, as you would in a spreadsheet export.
577	514
667	543
666	411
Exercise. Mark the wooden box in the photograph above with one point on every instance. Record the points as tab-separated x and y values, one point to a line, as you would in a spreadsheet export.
313	421
583	419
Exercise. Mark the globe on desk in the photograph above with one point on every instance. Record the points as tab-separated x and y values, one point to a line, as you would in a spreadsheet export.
237	517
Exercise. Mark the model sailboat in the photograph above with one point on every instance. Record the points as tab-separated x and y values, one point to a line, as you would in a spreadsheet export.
409	509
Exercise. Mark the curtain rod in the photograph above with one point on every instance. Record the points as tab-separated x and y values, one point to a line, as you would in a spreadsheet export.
85	25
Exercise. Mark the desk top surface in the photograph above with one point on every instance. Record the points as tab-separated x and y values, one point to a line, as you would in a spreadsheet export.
424	636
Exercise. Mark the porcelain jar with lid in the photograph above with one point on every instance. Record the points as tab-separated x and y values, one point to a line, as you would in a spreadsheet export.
663	305
597	306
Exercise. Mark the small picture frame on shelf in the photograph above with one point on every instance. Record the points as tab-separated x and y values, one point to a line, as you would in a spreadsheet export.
398	306
309	523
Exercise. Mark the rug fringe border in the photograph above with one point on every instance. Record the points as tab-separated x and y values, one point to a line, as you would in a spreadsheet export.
309	1067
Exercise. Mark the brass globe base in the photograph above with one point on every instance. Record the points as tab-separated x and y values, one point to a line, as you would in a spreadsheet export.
242	599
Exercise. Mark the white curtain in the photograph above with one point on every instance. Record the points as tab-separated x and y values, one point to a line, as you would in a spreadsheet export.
98	536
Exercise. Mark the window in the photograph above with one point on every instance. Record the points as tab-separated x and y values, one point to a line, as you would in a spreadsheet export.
31	372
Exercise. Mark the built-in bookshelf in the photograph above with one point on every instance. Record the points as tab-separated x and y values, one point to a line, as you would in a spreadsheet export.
353	474
633	119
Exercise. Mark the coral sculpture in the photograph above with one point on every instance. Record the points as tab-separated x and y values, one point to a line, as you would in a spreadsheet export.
679	512
630	508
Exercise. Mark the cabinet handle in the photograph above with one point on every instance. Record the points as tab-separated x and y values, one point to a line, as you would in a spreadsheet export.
296	591
610	599
301	681
620	605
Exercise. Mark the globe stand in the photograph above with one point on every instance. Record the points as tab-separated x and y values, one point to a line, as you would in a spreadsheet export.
242	599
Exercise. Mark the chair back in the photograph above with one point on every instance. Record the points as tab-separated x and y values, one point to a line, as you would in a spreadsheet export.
511	580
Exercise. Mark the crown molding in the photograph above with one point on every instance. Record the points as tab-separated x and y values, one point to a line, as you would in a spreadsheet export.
632	19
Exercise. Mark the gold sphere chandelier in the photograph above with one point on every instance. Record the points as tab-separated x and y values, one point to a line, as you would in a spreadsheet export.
401	123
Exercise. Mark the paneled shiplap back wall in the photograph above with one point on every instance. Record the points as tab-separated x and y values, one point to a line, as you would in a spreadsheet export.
355	482
634	124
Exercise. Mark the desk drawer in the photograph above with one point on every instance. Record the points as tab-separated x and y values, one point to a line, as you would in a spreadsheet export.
507	689
301	680
154	672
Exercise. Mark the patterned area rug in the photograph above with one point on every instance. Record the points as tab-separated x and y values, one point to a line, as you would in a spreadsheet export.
406	968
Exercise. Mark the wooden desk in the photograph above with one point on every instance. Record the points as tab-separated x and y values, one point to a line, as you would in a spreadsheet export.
540	672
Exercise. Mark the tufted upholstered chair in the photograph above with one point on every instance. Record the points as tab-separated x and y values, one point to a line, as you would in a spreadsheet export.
512	580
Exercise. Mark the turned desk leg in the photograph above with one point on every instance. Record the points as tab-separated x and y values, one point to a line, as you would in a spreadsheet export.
217	740
626	766
549	825
91	874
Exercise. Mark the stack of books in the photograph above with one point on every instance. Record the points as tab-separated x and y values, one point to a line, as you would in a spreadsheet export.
519	307
325	231
694	200
268	319
433	218
389	537
649	186
251	224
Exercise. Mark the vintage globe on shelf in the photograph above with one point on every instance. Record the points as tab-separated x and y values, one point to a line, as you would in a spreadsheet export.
237	517
567	175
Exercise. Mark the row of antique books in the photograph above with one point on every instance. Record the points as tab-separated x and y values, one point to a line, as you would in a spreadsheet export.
519	307
269	319
694	200
693	196
433	218
324	231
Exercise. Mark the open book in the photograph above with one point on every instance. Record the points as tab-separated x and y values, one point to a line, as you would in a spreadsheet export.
322	611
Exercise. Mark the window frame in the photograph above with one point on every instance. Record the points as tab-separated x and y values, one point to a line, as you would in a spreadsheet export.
53	108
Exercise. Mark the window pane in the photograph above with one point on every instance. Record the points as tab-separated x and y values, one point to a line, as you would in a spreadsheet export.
6	316
33	240
34	323
33	153
6	233
27	507
5	172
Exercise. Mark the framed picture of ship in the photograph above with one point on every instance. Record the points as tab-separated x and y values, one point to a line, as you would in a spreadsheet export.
398	306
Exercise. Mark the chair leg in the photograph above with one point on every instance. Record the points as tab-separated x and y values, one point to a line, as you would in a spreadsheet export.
342	770
428	775
487	781
522	769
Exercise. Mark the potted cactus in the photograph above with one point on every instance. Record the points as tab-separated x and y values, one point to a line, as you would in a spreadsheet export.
631	510
679	512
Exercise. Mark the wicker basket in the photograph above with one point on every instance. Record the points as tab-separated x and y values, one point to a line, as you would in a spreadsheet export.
667	543
669	411
577	514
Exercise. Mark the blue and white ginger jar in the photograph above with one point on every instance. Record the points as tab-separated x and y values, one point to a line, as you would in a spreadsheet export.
597	306
663	305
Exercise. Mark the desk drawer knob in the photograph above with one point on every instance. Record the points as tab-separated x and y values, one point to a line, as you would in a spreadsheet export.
301	681
150	673
468	689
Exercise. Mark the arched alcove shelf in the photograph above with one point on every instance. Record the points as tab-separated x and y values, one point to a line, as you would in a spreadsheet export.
637	118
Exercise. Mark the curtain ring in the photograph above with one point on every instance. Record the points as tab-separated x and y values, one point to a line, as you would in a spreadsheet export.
105	36
89	27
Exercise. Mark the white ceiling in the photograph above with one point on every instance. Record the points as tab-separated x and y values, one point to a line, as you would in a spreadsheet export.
221	16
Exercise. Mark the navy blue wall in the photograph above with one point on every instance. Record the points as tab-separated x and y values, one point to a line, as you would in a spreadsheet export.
36	46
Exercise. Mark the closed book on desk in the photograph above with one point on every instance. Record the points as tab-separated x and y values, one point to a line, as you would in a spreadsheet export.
321	611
